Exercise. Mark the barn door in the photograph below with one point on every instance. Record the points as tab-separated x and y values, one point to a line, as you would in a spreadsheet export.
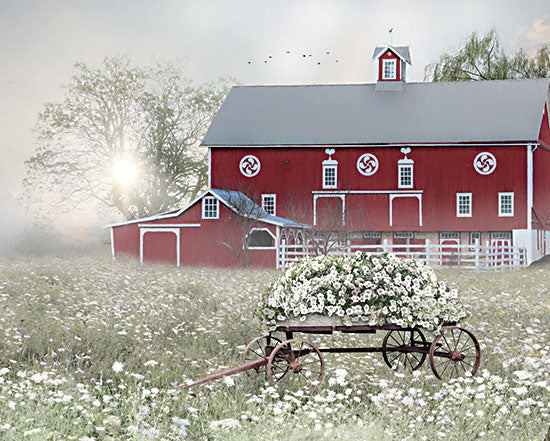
160	245
450	248
500	248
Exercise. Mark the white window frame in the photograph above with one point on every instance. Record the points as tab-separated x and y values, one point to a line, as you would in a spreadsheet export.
501	195
389	62
204	204
267	196
399	182
475	240
458	213
330	167
403	235
262	248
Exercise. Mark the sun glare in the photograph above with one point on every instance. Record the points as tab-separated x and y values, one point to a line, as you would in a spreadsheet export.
125	172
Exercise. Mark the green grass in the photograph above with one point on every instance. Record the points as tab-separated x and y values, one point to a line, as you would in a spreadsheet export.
64	322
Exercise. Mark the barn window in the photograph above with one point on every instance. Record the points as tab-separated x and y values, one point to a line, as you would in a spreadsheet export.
405	175
464	205
261	238
210	208
506	204
269	203
389	70
475	238
330	174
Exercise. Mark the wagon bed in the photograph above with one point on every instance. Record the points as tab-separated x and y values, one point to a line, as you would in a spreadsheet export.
454	351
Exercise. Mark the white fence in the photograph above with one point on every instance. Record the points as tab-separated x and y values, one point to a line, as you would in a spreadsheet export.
464	256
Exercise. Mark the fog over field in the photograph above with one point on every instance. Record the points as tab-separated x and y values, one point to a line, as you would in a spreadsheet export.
41	42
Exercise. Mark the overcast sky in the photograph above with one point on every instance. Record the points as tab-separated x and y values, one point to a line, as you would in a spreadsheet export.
41	40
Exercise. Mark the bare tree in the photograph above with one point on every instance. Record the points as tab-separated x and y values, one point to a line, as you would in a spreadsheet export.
325	226
246	214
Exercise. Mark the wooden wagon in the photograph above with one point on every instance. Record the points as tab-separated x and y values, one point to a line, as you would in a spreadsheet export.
453	352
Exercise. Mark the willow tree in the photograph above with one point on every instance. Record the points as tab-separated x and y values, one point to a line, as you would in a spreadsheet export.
482	58
125	137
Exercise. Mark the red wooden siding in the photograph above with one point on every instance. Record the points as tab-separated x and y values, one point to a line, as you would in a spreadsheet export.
439	172
405	212
541	178
125	240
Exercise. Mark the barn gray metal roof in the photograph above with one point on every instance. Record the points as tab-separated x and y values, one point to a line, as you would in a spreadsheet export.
349	114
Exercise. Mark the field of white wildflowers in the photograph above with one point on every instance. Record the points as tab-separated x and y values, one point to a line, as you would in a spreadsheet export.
90	349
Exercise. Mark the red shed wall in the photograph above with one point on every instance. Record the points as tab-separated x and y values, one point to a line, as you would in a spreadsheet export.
541	177
440	172
199	246
126	240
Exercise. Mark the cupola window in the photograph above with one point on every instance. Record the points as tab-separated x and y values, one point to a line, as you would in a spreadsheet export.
389	69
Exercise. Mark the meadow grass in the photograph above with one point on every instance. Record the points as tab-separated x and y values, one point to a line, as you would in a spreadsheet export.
90	349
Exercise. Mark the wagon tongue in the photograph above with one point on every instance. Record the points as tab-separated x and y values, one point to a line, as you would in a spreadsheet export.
254	364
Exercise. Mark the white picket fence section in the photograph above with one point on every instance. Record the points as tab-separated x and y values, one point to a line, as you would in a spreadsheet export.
464	256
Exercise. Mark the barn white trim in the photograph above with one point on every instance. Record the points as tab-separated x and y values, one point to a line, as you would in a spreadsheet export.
169	225
112	243
530	149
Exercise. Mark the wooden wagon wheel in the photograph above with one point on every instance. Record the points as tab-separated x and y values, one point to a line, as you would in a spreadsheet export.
404	360
454	352
295	363
257	349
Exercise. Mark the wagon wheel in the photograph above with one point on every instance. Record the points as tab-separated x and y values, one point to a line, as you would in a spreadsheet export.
404	360
257	349
458	352
295	363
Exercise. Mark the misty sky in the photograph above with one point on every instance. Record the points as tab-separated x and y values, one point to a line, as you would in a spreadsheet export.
41	40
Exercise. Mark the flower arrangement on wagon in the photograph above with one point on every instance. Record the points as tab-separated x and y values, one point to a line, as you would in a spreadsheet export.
377	290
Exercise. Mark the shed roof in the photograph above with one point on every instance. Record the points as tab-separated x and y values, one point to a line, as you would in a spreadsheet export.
234	200
356	114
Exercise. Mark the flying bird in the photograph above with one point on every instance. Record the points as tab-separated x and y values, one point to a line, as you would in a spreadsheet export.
288	52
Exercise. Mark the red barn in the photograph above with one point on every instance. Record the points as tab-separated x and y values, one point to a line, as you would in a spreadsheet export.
455	166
